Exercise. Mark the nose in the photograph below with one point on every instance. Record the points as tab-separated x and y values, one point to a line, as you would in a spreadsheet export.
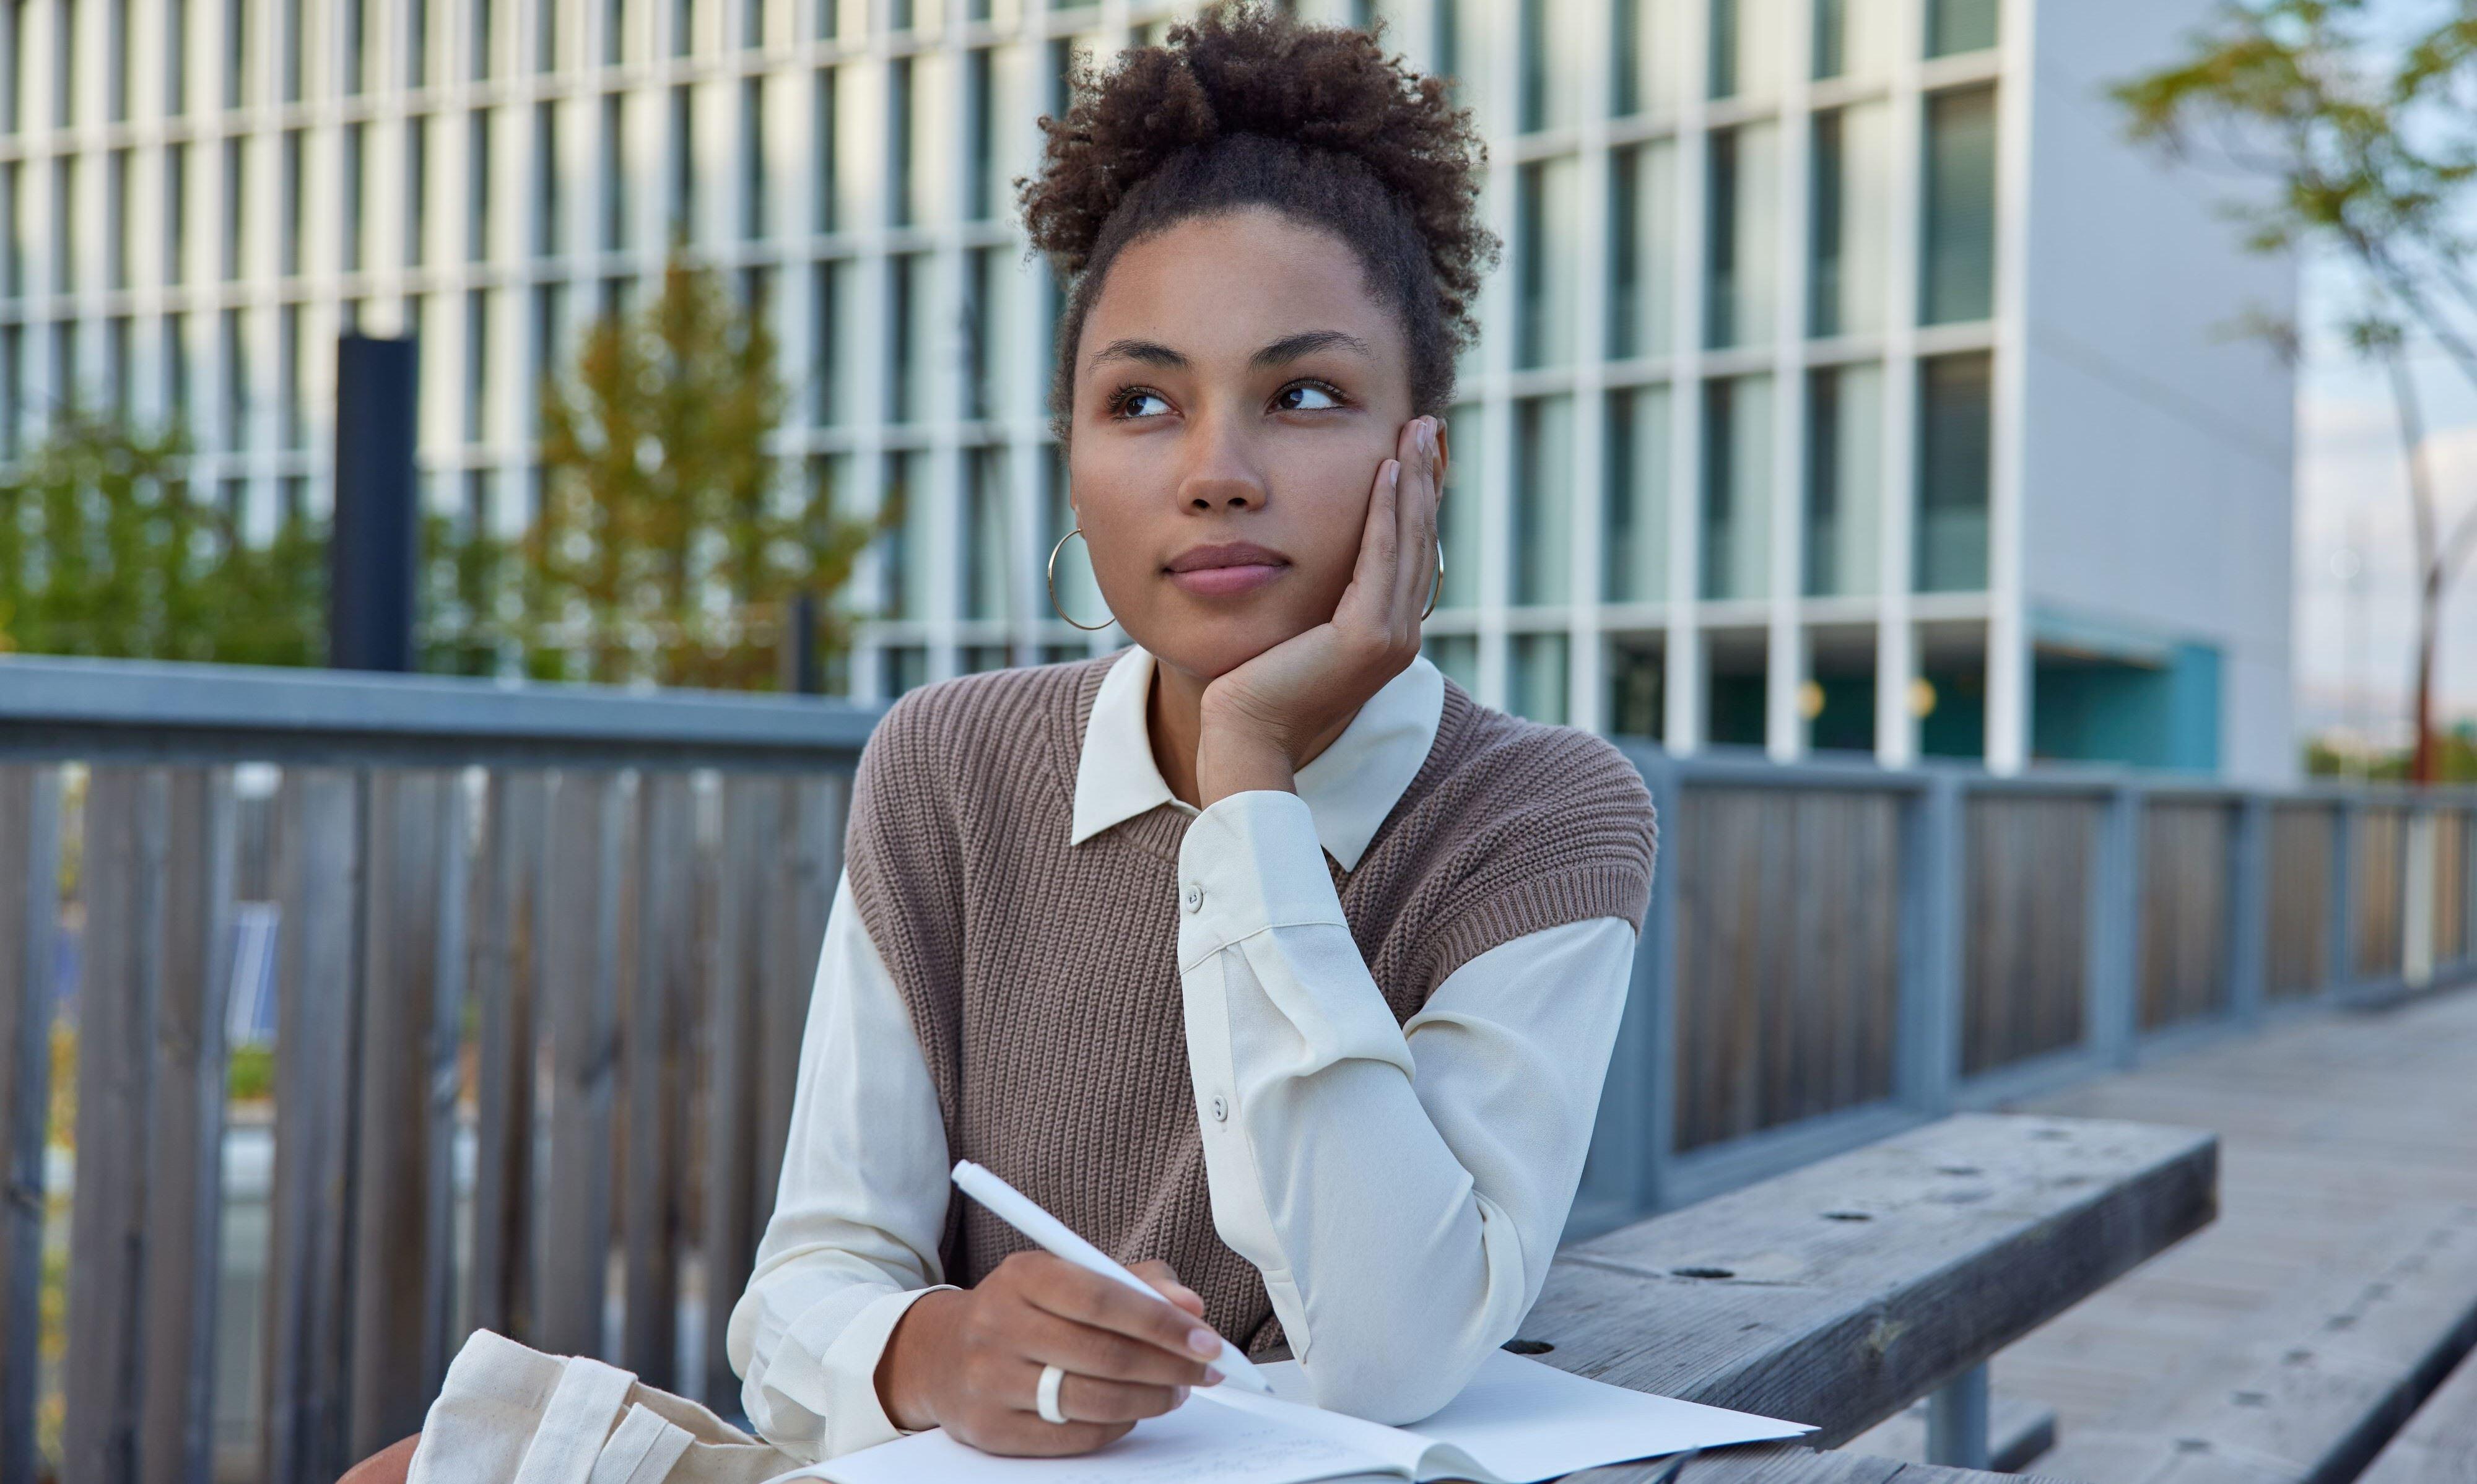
1220	475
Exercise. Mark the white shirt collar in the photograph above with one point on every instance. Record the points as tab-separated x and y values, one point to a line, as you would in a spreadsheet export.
1348	788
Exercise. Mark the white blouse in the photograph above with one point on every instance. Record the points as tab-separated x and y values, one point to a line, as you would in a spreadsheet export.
1401	1186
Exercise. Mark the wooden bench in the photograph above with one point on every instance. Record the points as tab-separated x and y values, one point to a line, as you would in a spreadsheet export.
1839	1293
2310	1390
2438	1446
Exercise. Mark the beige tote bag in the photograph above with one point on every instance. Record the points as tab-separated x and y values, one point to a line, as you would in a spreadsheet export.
512	1415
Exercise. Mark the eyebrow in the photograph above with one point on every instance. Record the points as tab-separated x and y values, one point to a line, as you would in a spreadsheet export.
1288	348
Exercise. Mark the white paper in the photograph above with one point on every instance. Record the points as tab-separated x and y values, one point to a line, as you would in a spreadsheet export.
1518	1420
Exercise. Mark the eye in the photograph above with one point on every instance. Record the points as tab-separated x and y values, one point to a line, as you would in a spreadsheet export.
1138	402
1308	397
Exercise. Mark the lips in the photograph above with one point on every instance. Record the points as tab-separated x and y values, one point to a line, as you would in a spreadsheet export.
1225	568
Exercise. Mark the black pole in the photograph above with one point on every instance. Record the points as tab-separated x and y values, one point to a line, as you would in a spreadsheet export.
372	555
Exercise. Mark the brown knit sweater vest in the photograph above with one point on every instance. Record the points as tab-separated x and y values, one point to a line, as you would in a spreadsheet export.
1042	978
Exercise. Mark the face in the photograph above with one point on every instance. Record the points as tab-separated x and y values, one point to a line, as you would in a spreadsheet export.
1237	387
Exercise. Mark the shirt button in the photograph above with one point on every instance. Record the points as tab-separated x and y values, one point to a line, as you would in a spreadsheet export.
1220	1109
1194	896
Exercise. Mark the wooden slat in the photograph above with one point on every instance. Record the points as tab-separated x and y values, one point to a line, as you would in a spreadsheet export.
2438	1446
2308	1391
727	1242
666	967
318	829
2026	878
1790	1463
1835	1294
29	927
580	1001
802	889
123	886
184	1199
507	888
393	1270
2376	884
451	962
2187	852
2300	900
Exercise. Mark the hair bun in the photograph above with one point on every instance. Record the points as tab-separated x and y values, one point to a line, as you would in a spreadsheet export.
1239	69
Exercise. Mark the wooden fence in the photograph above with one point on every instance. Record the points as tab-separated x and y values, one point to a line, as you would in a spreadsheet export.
543	957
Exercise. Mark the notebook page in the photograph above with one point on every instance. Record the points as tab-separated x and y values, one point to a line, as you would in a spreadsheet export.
1405	1454
1194	1444
1521	1419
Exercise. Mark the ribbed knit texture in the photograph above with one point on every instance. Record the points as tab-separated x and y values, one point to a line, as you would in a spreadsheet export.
1042	978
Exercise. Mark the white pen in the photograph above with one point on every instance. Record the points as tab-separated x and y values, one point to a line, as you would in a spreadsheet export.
1018	1210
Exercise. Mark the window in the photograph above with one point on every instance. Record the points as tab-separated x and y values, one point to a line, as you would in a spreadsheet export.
615	32
1456	654
1642	249
417	43
176	369
1635	553
1550	64
64	65
236	40
822	134
355	188
66	216
752	24
546	36
12	386
989	545
289	249
477	185
898	142
1851	38
416	190
1536	680
914	325
826	18
292	50
13	69
1737	486
355	17
67	376
1543	499
1961	26
115	365
1545	253
615	175
682	163
477	364
1458	519
979	105
1741	227
235	376
176	212
1954	472
1844	469
176	59
291	347
829	362
683	27
547	206
116	84
1746	44
1848	222
116	180
908	545
752	212
986	353
480	63
1642	57
1957	263
13	238
548	309
898	15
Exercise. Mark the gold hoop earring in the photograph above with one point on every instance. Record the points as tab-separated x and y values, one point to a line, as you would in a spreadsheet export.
1438	588
1053	583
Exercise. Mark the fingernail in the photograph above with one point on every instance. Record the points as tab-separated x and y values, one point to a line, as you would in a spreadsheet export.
1393	475
1211	1377
1181	1397
1204	1341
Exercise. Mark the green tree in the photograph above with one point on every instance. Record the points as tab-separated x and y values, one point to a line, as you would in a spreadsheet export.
665	548
104	551
2362	148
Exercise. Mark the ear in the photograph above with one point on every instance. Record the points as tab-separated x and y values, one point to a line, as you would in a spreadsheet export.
1445	460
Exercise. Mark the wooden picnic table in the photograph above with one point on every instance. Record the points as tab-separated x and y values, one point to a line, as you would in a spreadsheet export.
1837	1294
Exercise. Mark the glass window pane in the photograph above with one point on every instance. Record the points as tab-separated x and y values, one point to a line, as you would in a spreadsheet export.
1462	28
1458	518
1844	474
1635	680
1853	38
1644	58
1958	265
832	360
1551	73
752	216
1546	249
989	544
1737	486
1743	225
914	325
1954	471
1643	250
1636	548
615	173
1745	47
1848	220
1536	687
1961	26
1456	655
1071	587
910	547
684	173
1543	499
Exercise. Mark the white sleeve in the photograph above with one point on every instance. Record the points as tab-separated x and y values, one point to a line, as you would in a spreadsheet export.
1401	1187
852	1240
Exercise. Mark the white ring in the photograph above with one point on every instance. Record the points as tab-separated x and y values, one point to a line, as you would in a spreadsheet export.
1045	1399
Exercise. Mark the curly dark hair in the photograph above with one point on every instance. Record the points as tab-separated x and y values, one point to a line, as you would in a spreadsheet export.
1245	106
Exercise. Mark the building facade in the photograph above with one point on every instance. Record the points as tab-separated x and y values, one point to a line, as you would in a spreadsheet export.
1848	384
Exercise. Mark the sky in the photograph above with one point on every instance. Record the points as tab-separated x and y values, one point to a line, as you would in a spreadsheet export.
2356	611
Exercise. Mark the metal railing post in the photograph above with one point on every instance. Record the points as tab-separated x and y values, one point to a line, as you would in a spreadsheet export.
1956	1420
1927	1058
2116	929
2249	910
2342	905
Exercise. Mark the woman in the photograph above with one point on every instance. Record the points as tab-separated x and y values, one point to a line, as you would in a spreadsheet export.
1259	952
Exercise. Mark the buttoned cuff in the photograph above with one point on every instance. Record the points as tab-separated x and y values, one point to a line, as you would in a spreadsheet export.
1250	862
855	1417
